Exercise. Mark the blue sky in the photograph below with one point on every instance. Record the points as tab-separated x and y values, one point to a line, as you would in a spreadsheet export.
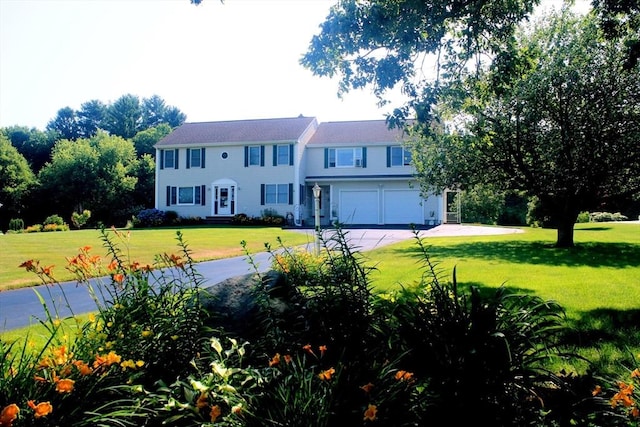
237	60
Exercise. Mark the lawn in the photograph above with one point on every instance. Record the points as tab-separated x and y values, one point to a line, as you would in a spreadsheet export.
601	273
206	243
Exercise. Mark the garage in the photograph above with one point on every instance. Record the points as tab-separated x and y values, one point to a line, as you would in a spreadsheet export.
359	207
403	207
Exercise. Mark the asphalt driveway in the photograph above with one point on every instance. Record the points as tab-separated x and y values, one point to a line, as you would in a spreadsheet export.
21	307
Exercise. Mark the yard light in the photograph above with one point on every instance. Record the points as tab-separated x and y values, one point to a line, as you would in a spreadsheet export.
316	198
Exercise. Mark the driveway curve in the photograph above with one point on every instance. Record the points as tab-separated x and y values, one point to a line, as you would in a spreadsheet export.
22	307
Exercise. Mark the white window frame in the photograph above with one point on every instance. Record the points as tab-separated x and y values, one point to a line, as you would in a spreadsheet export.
198	153
405	156
282	155
250	153
172	155
184	192
275	193
337	160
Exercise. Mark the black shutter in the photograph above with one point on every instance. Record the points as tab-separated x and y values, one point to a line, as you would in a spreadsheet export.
388	157
188	158
364	157
262	194
202	151
161	159
203	190
275	155
262	155
290	194
177	162
326	158
168	195
290	154
246	156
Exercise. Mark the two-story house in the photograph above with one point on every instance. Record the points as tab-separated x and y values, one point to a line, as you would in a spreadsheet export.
221	169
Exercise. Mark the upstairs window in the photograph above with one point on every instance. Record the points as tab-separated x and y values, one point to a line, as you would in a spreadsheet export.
346	157
254	155
283	155
169	159
398	156
195	157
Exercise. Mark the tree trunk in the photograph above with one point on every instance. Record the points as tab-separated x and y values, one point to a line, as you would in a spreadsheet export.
565	223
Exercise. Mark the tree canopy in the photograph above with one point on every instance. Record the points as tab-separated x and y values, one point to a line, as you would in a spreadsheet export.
16	177
564	128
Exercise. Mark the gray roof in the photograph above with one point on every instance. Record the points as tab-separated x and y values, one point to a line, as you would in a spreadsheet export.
238	131
363	131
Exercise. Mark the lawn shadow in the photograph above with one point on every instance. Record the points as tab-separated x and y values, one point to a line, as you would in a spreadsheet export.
596	254
594	327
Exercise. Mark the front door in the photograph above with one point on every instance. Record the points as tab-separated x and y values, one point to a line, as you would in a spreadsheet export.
224	200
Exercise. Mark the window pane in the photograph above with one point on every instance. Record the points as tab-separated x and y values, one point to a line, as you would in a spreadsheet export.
332	158
168	159
185	195
283	154
270	193
195	158
283	193
254	156
396	156
344	157
407	157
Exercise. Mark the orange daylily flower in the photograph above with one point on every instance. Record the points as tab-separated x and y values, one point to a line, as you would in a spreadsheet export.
83	368
106	360
370	413
215	413
635	373
326	375
275	360
118	278
404	375
596	391
65	385
203	401
42	409
237	409
367	387
624	395
322	349
635	412
9	414
47	270
308	349
287	358
28	264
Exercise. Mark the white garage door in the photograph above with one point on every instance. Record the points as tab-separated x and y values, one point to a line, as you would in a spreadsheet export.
359	207
403	207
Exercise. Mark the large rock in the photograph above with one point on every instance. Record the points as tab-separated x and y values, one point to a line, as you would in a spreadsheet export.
239	304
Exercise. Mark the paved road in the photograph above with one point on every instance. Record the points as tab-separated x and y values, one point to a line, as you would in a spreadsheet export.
22	307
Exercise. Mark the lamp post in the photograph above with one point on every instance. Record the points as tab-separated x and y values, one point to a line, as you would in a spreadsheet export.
316	198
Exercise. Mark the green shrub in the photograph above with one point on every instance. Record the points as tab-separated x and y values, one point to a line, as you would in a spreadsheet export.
16	224
79	220
36	228
54	219
607	217
583	217
55	227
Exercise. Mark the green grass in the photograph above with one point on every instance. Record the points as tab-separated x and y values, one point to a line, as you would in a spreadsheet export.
207	243
601	273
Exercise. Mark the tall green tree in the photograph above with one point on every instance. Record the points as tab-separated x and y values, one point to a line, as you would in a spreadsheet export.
124	116
563	124
146	139
384	44
65	124
33	144
91	117
16	181
98	174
